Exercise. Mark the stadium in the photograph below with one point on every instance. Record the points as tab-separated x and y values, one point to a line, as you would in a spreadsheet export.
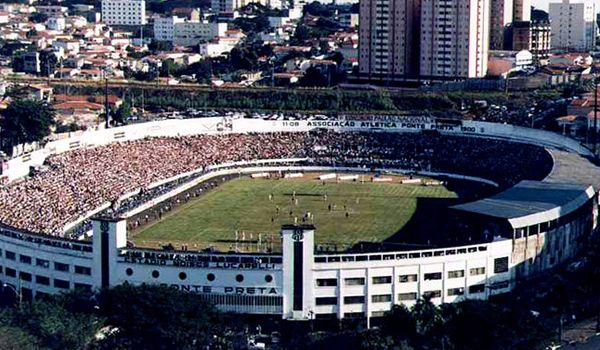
300	219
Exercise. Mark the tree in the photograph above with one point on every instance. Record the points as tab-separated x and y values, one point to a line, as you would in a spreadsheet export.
429	322
301	34
53	322
31	33
157	317
400	324
38	17
13	338
157	46
123	113
26	121
315	77
315	8
48	63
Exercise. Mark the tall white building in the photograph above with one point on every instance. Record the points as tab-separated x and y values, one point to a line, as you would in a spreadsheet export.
124	12
573	25
164	27
454	38
423	39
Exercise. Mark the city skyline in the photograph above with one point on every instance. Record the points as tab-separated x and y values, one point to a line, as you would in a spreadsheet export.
544	4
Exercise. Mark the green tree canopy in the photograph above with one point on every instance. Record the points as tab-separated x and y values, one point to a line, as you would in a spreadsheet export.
122	113
26	121
38	17
155	317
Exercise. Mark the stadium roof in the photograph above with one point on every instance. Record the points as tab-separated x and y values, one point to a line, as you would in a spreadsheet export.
531	202
573	168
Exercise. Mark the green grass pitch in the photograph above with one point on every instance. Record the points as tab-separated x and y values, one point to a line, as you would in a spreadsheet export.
374	212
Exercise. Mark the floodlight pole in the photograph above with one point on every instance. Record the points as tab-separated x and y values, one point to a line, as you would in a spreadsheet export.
18	291
595	130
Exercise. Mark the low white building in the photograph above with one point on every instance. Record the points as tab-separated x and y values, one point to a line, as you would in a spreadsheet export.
69	47
275	22
4	17
124	12
192	33
218	47
52	10
56	23
349	20
523	59
182	32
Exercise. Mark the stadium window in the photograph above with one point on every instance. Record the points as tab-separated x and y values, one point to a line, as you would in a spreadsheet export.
24	276
82	286
533	230
210	277
61	267
326	282
354	315
501	265
519	233
407	278
10	255
476	288
268	278
407	296
61	284
42	263
43	280
239	278
10	272
456	291
432	276
381	298
477	271
433	294
378	313
155	273
82	270
182	276
382	280
355	281
358	299
456	274
129	271
501	285
326	301
25	259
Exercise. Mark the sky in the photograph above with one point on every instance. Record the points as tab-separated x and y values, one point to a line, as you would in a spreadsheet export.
543	4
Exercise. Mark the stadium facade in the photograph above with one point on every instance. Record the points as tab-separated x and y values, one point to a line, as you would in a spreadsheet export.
534	225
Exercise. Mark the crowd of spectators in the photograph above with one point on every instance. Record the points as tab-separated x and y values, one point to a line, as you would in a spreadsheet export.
77	182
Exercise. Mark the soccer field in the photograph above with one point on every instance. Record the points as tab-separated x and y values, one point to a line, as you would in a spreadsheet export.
343	213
